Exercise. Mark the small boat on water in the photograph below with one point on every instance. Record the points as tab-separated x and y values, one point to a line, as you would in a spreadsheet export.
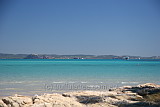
126	58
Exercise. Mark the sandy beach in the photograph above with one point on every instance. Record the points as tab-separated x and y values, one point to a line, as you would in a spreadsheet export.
144	95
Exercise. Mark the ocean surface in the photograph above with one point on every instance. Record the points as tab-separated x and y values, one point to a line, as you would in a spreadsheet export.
37	76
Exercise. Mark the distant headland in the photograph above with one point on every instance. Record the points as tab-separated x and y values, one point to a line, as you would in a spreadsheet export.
80	56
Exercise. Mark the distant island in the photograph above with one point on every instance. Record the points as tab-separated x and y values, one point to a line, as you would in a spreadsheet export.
54	56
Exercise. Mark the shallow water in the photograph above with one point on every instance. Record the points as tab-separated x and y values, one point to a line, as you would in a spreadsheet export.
37	76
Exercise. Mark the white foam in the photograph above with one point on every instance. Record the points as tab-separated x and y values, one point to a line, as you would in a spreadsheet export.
10	88
33	81
14	82
93	86
58	82
71	82
84	82
129	82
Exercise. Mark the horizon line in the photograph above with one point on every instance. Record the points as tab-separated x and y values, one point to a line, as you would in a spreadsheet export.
79	54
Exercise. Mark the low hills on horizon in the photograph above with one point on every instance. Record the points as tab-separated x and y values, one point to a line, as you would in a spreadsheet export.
78	56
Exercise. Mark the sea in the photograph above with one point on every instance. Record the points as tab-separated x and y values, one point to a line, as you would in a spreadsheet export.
38	76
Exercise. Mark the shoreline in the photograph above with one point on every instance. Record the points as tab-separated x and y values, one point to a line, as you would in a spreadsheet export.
141	95
57	87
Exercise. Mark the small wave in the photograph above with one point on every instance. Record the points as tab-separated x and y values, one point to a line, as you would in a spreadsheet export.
129	82
10	88
92	86
71	82
83	82
34	81
20	82
58	82
14	82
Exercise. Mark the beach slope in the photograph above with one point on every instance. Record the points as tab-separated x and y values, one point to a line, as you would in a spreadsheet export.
144	95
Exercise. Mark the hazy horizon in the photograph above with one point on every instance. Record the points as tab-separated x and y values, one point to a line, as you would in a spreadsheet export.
78	54
91	27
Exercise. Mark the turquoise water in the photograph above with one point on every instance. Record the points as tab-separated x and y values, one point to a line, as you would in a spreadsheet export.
31	76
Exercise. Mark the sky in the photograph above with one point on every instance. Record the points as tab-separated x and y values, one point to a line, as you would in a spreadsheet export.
95	27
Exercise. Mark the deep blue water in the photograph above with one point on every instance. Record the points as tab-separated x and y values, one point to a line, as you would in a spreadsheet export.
23	75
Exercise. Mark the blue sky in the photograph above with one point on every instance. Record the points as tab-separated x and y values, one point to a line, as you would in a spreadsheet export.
118	27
